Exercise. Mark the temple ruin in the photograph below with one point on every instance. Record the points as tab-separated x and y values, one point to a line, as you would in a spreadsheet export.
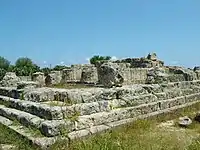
120	92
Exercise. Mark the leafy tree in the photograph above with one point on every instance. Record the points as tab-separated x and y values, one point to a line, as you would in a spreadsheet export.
11	68
4	63
59	67
2	73
46	71
25	67
97	58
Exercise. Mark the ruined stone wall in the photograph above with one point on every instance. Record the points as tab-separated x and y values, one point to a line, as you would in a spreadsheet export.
83	112
135	75
142	62
86	73
25	78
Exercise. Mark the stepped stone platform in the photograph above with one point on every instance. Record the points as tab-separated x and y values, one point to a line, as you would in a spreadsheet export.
45	115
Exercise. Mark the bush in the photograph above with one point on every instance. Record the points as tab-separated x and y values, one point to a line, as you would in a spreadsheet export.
4	63
2	73
97	58
59	67
46	71
25	67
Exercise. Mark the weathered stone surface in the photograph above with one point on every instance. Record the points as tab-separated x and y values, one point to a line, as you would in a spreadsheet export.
152	56
197	71
5	121
87	111
78	73
78	134
39	77
89	75
53	78
10	80
188	74
45	142
10	92
41	110
197	68
97	129
197	117
27	84
129	91
143	62
56	127
185	121
23	117
109	75
157	75
8	147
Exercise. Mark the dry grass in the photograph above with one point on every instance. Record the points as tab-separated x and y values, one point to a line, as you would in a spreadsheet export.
140	135
143	135
72	86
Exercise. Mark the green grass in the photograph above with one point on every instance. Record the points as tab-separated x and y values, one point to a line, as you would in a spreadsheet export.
7	136
72	86
139	135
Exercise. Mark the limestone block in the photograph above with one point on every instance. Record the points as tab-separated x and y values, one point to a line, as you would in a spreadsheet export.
89	75
56	127
53	78
9	80
39	78
78	134
109	75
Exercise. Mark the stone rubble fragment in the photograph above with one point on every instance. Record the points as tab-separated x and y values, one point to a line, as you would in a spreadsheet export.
185	121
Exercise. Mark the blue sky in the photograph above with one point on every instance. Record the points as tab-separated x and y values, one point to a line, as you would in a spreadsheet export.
71	31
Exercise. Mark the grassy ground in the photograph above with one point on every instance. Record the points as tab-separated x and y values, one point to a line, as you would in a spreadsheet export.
141	135
72	86
144	135
9	137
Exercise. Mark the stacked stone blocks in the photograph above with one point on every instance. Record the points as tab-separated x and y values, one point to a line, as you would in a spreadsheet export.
82	112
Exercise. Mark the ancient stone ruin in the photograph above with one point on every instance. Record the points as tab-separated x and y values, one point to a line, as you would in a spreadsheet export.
130	89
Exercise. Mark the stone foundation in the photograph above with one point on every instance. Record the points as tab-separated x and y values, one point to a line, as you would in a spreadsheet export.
83	112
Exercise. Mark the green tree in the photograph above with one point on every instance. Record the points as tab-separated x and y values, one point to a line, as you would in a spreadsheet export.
59	67
2	73
25	67
97	58
11	68
4	63
46	71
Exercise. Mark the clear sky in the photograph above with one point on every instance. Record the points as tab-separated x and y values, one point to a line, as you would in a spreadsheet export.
70	31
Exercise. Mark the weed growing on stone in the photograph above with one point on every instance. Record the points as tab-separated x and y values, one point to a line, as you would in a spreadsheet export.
33	131
22	96
15	122
71	86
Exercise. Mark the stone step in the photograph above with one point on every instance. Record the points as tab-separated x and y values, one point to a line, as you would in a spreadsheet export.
76	96
76	122
8	147
49	110
41	110
52	128
90	124
34	138
10	92
57	110
100	128
174	92
24	118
